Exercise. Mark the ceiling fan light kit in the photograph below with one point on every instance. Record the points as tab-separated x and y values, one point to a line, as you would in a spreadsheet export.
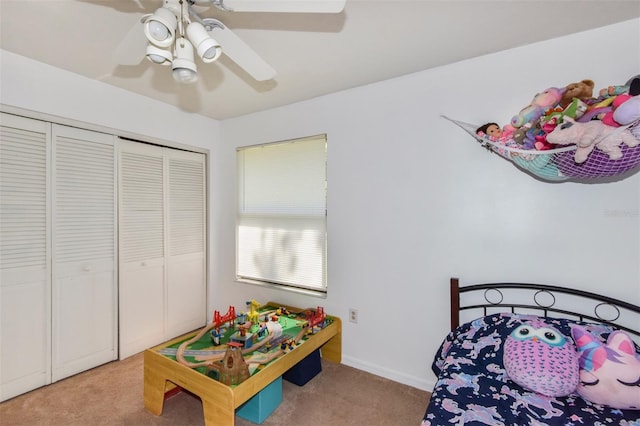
173	37
175	31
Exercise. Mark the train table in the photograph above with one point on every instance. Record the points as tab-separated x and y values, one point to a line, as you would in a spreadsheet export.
292	334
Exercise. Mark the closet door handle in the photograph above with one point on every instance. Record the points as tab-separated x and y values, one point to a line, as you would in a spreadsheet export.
87	269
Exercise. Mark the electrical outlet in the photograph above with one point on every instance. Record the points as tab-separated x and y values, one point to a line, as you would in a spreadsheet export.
353	315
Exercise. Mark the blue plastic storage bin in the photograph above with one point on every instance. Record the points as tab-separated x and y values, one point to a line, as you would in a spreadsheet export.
262	404
305	370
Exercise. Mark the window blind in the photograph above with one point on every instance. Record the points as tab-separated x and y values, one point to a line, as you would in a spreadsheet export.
281	233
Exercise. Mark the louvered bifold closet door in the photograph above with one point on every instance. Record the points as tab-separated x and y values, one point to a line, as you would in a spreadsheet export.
84	290
25	273
142	247
186	301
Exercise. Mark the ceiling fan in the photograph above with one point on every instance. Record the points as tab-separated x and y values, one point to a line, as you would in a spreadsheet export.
174	34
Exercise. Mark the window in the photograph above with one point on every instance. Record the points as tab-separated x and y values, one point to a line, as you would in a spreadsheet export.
281	232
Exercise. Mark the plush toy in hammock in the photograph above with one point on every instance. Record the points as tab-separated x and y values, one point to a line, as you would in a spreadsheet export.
609	373
629	113
540	359
541	103
590	135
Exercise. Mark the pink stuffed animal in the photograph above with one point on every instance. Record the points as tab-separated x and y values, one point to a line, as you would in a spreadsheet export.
590	135
609	373
629	113
539	105
607	117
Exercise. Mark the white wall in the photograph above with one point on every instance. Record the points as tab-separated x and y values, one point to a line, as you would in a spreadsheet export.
413	200
41	88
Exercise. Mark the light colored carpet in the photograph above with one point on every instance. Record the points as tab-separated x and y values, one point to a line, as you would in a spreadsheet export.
112	395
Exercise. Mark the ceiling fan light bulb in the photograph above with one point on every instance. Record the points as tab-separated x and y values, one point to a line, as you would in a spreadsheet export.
160	27
158	31
207	48
157	59
184	75
159	56
209	51
184	68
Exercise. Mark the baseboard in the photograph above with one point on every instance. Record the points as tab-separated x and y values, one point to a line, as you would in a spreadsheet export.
396	376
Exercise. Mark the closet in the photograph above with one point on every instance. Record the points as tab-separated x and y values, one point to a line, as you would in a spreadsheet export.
162	244
57	252
84	286
102	249
25	256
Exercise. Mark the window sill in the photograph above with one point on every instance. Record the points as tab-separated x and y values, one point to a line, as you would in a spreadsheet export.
305	291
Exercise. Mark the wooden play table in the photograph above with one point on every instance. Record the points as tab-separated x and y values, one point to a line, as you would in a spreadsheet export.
219	401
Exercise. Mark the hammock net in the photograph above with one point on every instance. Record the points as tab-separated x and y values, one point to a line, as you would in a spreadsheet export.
559	164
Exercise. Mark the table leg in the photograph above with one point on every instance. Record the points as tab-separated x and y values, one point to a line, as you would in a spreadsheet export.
216	414
154	387
332	349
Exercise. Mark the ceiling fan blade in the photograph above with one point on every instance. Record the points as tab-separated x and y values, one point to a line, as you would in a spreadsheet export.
240	52
131	49
288	6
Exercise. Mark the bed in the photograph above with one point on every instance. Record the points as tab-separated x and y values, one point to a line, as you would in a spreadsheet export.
474	386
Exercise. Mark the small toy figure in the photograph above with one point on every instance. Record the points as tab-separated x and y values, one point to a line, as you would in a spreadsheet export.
215	337
262	331
253	313
492	130
282	311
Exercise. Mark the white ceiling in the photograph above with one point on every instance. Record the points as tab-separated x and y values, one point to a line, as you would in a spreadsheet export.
314	54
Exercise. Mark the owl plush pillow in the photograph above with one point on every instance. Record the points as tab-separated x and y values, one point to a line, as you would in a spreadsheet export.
540	359
609	373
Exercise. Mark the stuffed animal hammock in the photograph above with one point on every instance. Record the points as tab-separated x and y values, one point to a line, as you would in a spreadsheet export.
612	154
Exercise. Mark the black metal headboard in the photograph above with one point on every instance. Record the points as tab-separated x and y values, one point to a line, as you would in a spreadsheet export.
581	305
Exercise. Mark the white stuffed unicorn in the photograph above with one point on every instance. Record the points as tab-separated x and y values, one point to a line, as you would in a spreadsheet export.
590	135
